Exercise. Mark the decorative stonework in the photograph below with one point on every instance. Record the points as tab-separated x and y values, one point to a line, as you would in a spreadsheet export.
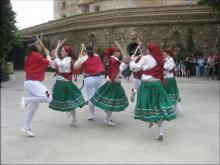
66	8
126	25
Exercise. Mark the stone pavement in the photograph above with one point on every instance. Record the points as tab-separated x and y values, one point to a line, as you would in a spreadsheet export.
193	138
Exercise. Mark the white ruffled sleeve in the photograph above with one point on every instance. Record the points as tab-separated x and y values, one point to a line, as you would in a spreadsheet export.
137	66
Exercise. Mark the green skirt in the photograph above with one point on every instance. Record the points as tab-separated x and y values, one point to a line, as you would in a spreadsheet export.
110	97
66	97
172	90
153	103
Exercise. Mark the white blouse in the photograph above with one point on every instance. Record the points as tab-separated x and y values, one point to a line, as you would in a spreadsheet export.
63	66
145	63
168	66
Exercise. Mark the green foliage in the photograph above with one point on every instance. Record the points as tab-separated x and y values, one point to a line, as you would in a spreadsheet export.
190	42
4	74
8	33
181	51
214	4
182	54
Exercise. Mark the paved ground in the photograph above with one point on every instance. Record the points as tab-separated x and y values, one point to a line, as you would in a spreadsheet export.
192	138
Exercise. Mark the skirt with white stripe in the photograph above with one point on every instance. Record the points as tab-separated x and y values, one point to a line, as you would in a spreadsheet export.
66	97
153	103
110	97
172	90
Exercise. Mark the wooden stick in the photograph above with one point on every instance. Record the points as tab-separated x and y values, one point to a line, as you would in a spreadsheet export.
136	50
82	48
58	44
62	42
41	43
119	47
139	44
41	36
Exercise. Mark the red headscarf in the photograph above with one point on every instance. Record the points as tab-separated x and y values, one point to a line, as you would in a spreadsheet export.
110	51
154	50
170	52
69	51
157	71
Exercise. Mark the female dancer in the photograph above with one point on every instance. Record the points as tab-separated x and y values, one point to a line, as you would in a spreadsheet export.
111	96
66	95
153	104
170	81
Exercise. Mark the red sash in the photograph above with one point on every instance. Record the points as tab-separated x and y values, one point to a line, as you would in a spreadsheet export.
156	72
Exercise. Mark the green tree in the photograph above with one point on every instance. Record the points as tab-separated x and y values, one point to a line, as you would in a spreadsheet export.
8	34
190	42
181	54
214	4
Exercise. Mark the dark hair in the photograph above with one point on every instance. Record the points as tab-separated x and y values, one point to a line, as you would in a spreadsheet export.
30	49
90	51
31	42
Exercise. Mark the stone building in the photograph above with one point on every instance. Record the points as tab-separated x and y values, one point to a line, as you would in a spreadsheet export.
66	8
167	25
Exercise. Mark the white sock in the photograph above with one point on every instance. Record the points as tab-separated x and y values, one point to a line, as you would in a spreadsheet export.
74	115
160	127
108	115
177	107
91	108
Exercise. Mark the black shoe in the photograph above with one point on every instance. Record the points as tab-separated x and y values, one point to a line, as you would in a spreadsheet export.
160	138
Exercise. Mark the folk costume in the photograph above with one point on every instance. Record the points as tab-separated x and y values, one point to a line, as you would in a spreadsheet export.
93	71
153	104
66	95
111	96
170	81
36	92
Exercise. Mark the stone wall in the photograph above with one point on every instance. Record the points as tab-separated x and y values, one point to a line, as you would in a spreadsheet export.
165	25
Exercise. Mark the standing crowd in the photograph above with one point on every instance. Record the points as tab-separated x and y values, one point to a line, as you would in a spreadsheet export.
201	66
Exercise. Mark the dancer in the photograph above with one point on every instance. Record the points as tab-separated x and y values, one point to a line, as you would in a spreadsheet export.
92	69
153	104
111	96
66	96
170	81
35	67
